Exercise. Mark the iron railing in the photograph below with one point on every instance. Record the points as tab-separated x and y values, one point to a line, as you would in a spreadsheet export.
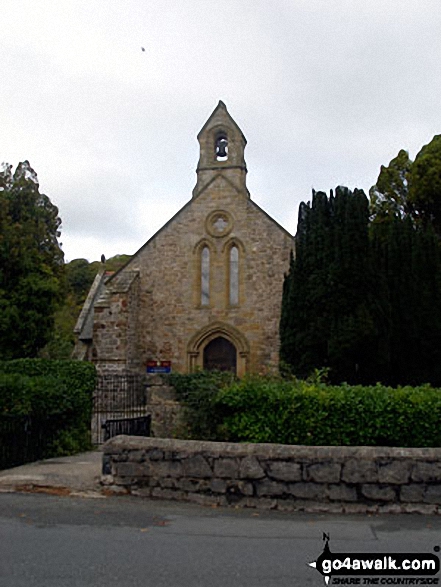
131	426
24	439
119	407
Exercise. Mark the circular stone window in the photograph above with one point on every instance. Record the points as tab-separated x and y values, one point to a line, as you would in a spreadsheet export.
219	223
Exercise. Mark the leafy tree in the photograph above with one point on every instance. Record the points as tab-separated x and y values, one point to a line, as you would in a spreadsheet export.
114	263
79	277
425	184
389	196
31	263
80	274
62	340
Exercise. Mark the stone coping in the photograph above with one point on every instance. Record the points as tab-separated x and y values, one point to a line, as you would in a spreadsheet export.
345	479
270	451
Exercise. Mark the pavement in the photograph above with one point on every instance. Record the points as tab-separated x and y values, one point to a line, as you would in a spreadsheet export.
77	475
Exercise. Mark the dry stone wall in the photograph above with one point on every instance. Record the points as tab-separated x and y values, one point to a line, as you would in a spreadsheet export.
281	477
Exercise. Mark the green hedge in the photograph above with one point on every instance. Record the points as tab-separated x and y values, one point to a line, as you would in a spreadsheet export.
261	409
197	393
57	391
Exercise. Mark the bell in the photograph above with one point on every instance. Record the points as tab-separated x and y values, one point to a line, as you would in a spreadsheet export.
221	148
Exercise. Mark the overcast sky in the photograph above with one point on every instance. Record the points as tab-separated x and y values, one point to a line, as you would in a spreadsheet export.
325	91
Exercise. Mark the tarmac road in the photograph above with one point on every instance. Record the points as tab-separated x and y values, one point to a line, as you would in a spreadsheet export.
52	541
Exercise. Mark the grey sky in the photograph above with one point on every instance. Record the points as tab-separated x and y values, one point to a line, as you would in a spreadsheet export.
325	92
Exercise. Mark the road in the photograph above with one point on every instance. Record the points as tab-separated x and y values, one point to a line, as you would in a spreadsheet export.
50	541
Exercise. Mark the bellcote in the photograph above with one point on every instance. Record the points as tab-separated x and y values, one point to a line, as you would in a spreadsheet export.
222	147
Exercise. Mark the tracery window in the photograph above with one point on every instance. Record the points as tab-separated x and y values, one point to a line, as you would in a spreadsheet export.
205	276
234	276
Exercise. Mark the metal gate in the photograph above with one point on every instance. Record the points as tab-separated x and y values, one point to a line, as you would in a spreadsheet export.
119	407
24	439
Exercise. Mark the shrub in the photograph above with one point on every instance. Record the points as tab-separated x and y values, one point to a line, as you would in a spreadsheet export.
198	392
301	412
57	393
270	409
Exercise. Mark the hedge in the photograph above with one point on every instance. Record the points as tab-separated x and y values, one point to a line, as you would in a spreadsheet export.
56	392
197	393
264	409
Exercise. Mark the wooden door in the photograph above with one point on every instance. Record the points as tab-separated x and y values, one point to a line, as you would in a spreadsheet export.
220	355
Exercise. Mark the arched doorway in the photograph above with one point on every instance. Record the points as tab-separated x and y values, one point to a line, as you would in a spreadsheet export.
220	355
200	353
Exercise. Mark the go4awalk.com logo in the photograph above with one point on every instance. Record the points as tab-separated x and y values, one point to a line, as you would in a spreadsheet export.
377	568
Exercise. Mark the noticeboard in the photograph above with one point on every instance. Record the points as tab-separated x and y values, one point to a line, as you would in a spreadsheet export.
158	367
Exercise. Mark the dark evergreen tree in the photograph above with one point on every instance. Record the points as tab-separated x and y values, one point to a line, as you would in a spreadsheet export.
330	312
354	336
408	262
366	302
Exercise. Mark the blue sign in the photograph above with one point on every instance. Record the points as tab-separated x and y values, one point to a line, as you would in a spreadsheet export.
159	367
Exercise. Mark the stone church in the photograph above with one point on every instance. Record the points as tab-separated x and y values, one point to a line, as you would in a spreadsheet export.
205	291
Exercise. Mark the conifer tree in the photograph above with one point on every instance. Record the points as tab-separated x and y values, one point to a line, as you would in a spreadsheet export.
330	315
408	262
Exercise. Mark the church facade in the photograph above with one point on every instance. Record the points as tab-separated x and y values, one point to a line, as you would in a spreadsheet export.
205	291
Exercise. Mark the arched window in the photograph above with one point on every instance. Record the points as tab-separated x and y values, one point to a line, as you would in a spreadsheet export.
205	276
234	276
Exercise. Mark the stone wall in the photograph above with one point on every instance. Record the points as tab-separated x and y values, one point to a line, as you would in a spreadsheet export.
281	477
114	348
161	403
